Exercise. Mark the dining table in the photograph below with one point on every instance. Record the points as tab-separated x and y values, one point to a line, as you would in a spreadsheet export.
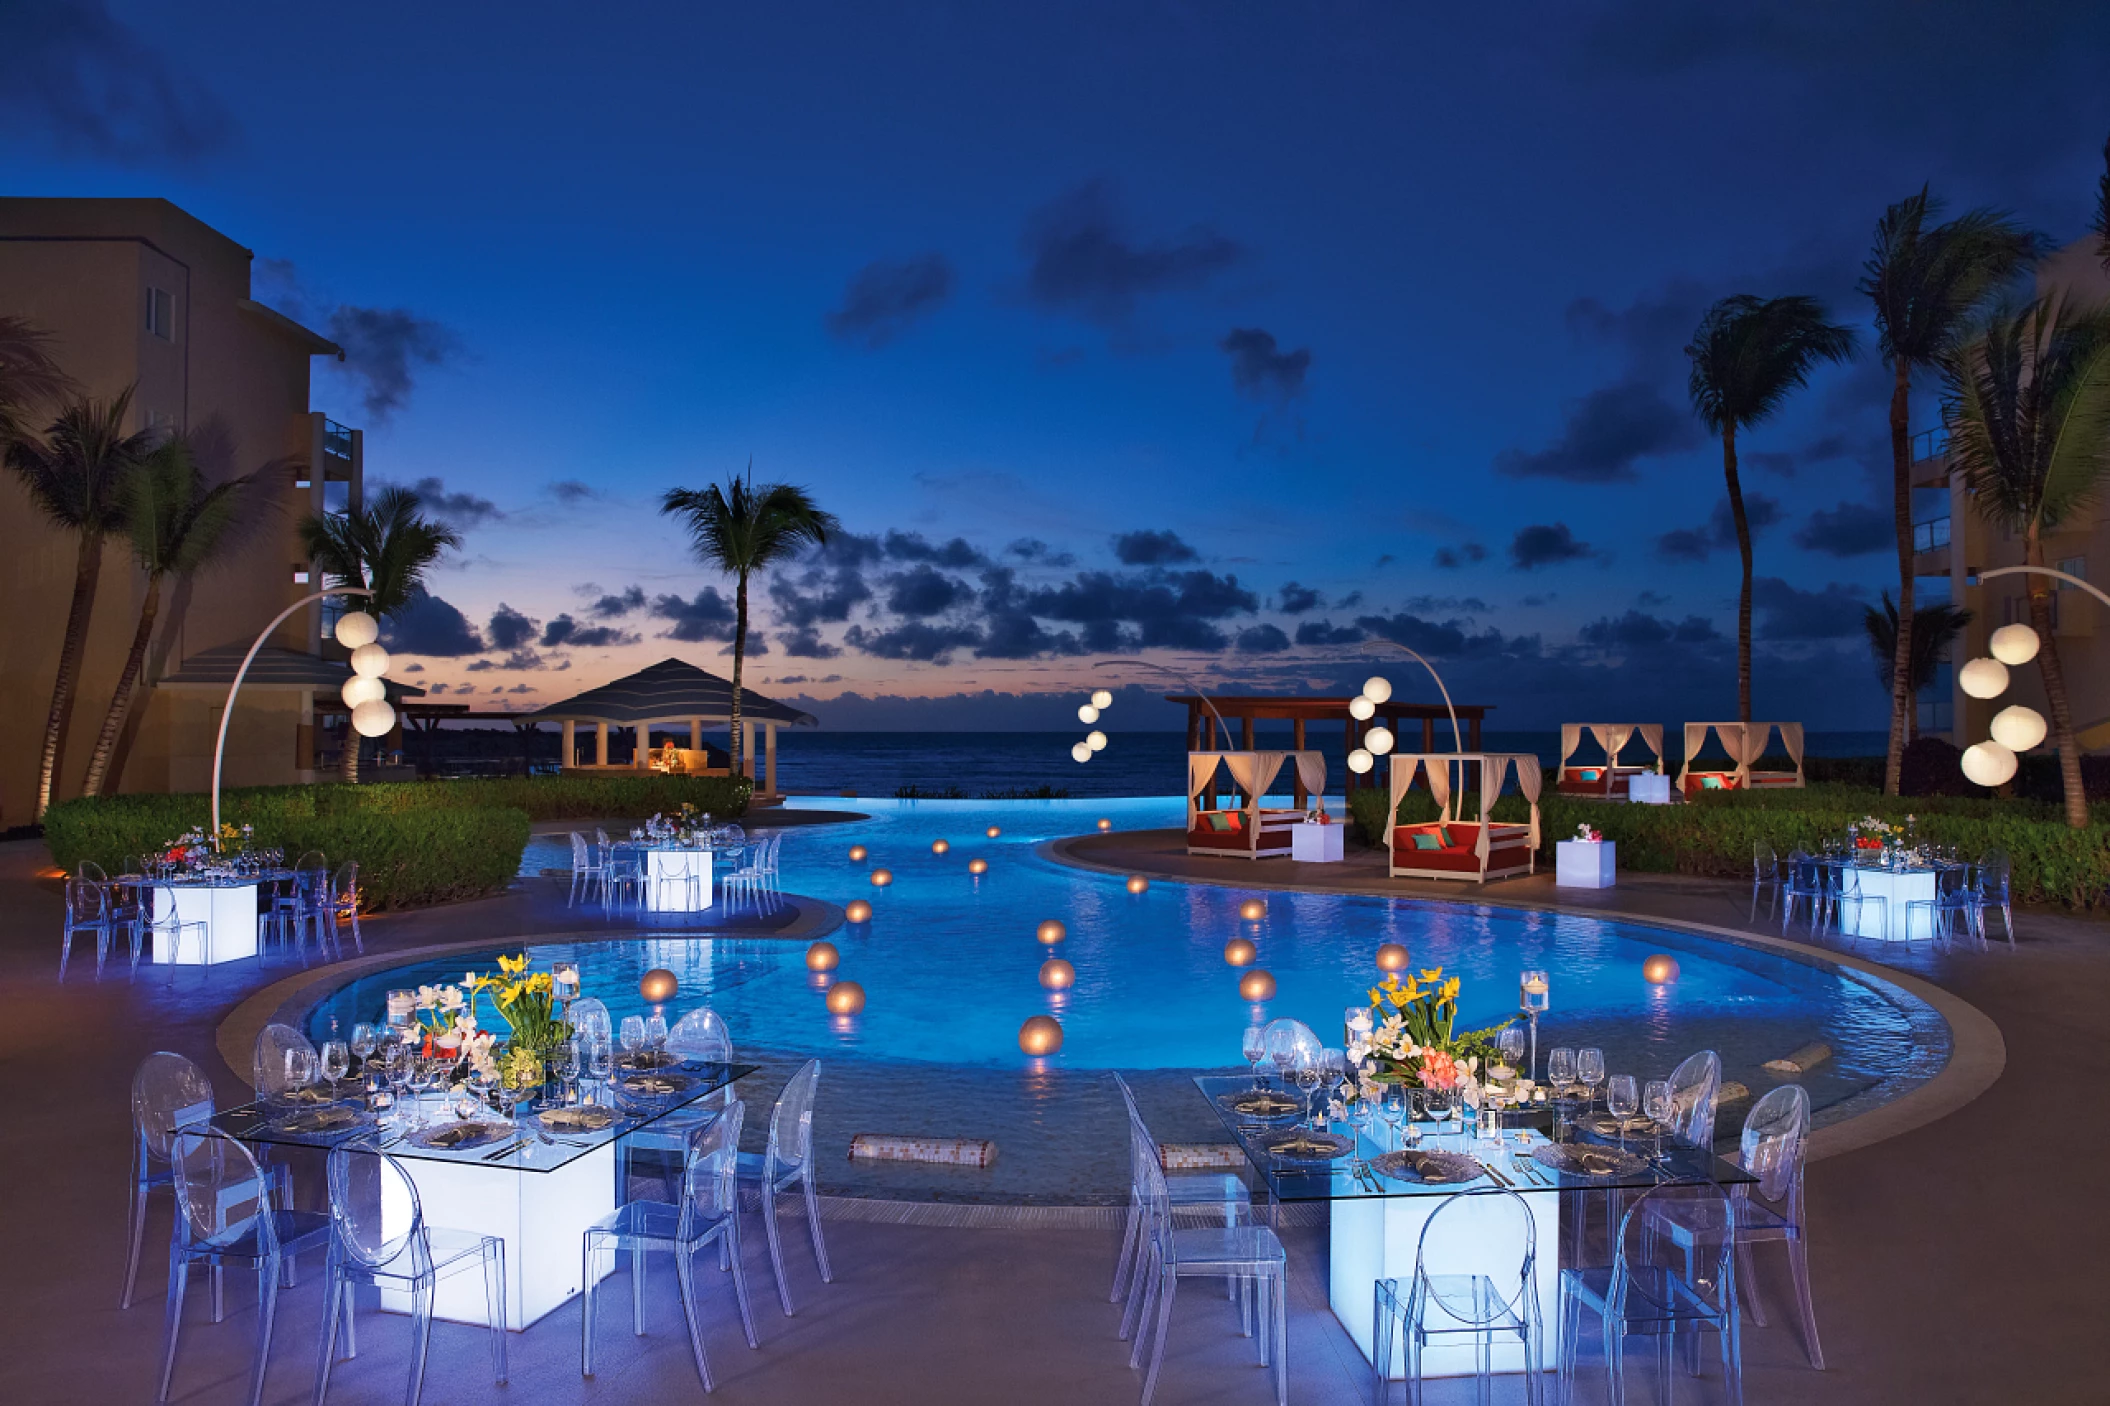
535	1179
1382	1185
226	907
1897	882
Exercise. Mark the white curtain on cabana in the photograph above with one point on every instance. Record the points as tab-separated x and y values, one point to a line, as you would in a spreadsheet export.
1652	734
1252	773
1311	770
1791	738
1613	737
1494	770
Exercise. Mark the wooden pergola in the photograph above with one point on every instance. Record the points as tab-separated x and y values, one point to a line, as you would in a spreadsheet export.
1243	710
672	691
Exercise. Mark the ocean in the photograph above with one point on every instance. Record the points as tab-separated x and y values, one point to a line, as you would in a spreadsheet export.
979	764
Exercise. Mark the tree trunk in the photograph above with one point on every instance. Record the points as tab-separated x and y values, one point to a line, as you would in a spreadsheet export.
1743	599
2055	684
87	571
348	763
738	729
121	700
1901	700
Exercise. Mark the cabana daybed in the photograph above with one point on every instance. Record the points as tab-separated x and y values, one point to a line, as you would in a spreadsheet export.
1246	830
1451	848
1745	743
1607	779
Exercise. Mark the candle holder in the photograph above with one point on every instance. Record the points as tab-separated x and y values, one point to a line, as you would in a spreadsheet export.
1534	998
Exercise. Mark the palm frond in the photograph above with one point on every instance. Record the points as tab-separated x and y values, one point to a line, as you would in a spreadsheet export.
29	374
2102	210
2027	402
76	471
386	545
740	528
1926	283
1749	354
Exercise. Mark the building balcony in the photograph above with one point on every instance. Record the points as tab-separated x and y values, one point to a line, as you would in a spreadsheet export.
339	458
1930	547
1930	459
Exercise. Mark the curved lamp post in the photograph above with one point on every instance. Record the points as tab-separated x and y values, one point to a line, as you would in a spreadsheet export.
1089	713
1370	700
2015	728
364	692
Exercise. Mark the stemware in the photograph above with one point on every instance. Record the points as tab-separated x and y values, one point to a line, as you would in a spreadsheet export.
336	1060
365	1040
401	1057
1622	1098
1308	1076
1282	1049
424	1073
1560	1069
631	1035
1436	1106
1657	1106
600	1063
1589	1069
300	1070
1394	1106
567	1061
1255	1047
1333	1068
1511	1044
655	1031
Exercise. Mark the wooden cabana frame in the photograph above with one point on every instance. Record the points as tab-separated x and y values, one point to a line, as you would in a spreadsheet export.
1608	779
1247	830
1476	850
1745	743
1404	719
671	693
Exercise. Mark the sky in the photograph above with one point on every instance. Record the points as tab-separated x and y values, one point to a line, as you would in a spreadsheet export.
1231	336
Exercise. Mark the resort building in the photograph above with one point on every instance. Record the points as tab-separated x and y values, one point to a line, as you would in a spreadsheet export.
137	293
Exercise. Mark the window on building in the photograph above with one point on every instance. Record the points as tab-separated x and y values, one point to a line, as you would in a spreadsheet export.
300	576
161	314
2073	566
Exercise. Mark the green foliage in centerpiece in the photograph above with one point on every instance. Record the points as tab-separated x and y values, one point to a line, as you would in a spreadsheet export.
1413	1034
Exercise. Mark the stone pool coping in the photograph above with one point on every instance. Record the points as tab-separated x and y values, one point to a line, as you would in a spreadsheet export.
1977	1053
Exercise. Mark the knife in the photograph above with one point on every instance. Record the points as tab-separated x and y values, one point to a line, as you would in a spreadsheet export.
1495	1176
493	1156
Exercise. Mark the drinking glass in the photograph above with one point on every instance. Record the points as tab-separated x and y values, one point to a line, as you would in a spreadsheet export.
300	1070
1282	1049
632	1035
336	1060
1255	1047
1622	1098
1333	1068
1657	1106
568	1061
1560	1069
400	1058
424	1073
1308	1076
655	1031
1589	1068
600	1063
365	1040
1393	1107
1437	1104
466	1102
1511	1044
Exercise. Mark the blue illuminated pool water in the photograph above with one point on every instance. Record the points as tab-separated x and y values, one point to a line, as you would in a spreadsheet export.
949	965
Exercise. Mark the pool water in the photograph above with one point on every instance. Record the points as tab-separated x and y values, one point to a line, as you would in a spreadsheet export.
949	964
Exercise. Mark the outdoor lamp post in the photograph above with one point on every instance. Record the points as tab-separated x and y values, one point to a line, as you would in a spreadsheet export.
2014	728
364	692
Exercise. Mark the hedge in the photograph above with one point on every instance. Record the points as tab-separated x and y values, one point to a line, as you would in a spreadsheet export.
1716	834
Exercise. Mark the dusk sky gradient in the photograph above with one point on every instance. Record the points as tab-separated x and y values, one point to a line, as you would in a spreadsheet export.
1228	333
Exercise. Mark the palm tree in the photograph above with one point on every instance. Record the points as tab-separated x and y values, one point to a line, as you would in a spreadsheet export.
2102	210
740	529
1748	354
1926	281
2028	410
76	475
28	375
384	546
1934	629
177	523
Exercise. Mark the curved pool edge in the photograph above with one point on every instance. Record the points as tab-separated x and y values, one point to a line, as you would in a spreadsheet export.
1976	1056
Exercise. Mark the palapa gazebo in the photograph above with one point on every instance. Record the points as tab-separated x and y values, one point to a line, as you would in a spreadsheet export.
671	692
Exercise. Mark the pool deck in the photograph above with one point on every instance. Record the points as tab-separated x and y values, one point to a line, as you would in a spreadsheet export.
1958	1259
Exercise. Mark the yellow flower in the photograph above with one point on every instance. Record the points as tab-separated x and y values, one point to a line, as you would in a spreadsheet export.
1377	997
1432	973
513	964
1450	989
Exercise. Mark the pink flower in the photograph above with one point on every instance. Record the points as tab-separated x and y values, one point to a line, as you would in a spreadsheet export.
1438	1070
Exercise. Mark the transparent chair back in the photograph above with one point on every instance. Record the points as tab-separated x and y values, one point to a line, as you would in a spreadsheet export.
378	1214
1695	1090
89	869
710	1182
270	1064
701	1034
310	862
1776	1133
167	1092
222	1195
731	836
1765	864
589	1017
1288	1039
1650	1287
1497	1228
791	1121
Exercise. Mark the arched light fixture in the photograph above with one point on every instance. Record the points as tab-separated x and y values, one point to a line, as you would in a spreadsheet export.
373	718
356	628
1087	714
361	689
370	661
1096	740
1102	699
1377	689
1082	752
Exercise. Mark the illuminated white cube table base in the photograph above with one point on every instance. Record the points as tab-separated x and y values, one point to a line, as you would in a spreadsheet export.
677	880
1896	887
1585	864
1376	1237
541	1216
1315	844
227	911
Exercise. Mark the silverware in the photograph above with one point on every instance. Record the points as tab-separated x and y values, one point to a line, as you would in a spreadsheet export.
1523	1168
504	1150
1494	1175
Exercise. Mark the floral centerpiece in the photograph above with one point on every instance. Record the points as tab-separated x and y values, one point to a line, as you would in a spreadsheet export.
1588	835
524	1000
195	848
1872	833
687	826
1411	1035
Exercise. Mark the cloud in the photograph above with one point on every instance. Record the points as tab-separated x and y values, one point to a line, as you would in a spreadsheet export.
710	616
1035	552
1259	370
1635	629
805	642
430	626
1651	598
1170	609
1293	599
911	546
1451	558
571	490
886	297
1719	531
563	632
817	596
1849	530
1546	544
384	348
924	591
916	641
1262	639
1793	614
521	688
1079	260
457	510
614	607
1447	637
72	69
509	629
1606	432
1325	632
1425	605
435	690
1150	547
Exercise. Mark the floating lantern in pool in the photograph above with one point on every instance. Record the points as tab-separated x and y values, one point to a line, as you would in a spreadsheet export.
993	831
822	957
1050	933
1057	975
1040	1035
882	877
857	911
1391	957
857	854
1256	985
658	985
1138	884
1239	952
977	866
940	846
1106	824
1660	970
845	998
1252	910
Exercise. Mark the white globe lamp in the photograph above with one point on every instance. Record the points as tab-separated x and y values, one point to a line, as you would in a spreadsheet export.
1360	761
2014	645
1377	690
1087	714
370	661
1988	763
1378	740
1096	740
1102	699
1082	752
1983	678
373	718
1361	709
361	689
2018	728
356	628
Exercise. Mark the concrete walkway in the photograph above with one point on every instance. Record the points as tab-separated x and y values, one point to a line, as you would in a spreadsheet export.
1955	1261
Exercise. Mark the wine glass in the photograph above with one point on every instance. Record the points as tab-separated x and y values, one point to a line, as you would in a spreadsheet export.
1656	1104
1436	1105
400	1058
655	1032
1333	1069
300	1072
632	1037
1282	1049
1394	1108
365	1040
1560	1069
1589	1068
424	1073
1308	1076
336	1060
568	1066
1255	1047
1622	1097
600	1062
1511	1045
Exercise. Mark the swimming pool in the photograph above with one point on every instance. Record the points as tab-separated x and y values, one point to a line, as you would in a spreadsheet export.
949	966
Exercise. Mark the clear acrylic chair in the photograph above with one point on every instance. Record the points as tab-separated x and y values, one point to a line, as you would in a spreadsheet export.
1775	1142
1646	1292
1848	893
703	1035
1994	870
588	1017
772	883
1805	882
789	1161
126	905
268	1062
1185	1191
164	927
743	879
1765	878
708	1210
225	1219
87	910
1695	1092
1953	910
687	881
586	871
622	874
343	908
1242	1253
1495	1228
379	1238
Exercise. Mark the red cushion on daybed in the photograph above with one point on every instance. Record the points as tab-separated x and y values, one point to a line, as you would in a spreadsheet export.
1504	849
